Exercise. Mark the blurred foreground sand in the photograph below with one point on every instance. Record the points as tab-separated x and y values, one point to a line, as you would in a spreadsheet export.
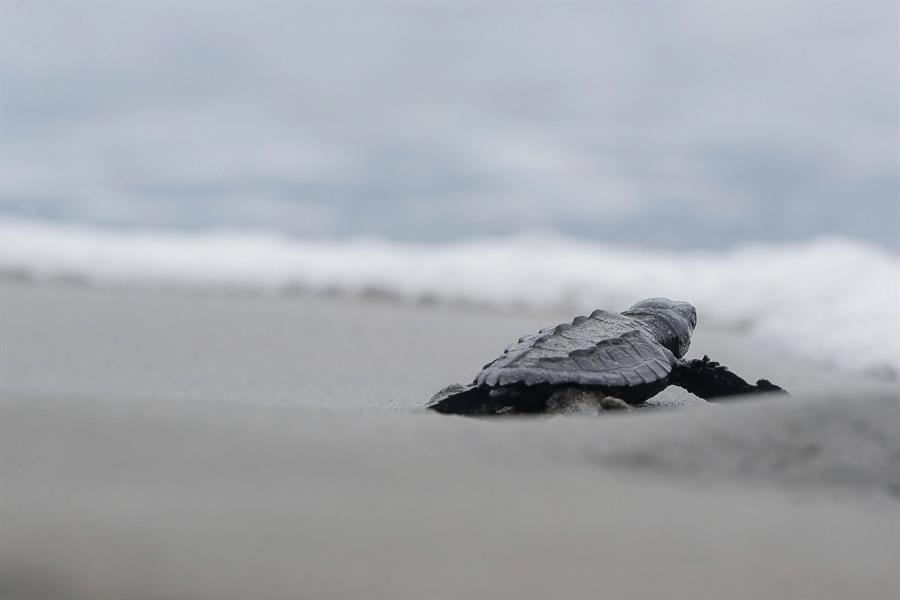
194	446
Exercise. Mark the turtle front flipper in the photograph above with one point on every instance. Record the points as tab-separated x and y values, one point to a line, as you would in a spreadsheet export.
710	380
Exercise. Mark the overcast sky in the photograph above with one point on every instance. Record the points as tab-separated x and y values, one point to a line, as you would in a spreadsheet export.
675	124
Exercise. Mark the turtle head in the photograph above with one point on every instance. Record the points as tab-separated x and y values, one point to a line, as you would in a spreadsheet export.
671	322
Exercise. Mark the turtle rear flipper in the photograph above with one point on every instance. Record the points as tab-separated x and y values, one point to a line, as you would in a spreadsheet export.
710	380
458	399
475	400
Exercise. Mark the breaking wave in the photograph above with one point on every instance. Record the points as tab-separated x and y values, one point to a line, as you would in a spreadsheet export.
830	300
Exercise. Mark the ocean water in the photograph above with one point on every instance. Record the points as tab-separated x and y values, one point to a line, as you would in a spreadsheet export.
830	300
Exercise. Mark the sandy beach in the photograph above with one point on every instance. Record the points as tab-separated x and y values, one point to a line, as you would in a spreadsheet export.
193	445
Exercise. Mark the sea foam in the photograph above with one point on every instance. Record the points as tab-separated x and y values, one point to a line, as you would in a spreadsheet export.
832	300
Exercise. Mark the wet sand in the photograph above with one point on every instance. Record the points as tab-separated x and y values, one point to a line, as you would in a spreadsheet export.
199	446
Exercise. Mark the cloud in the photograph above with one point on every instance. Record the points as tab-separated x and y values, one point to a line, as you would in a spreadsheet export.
438	121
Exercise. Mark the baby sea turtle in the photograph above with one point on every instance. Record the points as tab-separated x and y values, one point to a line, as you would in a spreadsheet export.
611	360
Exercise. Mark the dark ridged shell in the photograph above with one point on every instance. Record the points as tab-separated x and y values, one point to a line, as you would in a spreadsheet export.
606	349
